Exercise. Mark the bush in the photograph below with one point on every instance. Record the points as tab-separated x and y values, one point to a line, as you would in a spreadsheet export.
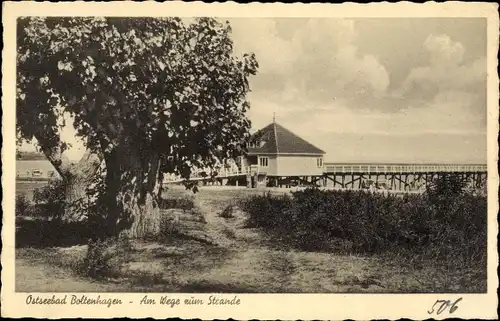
23	206
230	210
446	185
50	200
364	222
97	261
268	211
169	225
227	212
40	223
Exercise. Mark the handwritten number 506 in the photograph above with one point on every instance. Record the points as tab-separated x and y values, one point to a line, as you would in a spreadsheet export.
442	305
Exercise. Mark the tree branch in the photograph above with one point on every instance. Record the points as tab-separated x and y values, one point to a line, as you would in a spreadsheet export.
61	164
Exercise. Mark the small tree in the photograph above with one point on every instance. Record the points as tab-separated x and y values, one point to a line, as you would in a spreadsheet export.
23	206
50	199
138	91
443	190
447	185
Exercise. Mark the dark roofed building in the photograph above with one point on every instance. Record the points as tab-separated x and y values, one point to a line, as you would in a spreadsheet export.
277	140
278	152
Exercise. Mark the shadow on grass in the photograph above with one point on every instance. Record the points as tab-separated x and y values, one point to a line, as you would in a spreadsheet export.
208	287
34	232
155	283
197	261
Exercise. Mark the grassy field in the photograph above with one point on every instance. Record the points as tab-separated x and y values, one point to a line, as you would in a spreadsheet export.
241	260
27	187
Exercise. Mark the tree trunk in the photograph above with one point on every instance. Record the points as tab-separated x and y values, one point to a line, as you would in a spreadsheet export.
75	192
79	177
146	217
137	189
129	196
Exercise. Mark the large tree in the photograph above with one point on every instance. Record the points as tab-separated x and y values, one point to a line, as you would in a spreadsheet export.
145	95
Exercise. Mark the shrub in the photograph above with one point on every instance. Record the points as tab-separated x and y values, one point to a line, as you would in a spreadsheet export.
50	200
23	206
364	222
45	226
124	244
267	211
227	212
169	226
97	261
230	210
447	185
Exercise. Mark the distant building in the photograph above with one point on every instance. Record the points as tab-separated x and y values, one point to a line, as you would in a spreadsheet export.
277	153
31	166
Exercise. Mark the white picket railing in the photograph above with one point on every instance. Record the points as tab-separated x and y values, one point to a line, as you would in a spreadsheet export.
410	168
216	173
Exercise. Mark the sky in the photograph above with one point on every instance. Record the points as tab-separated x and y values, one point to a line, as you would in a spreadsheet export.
371	89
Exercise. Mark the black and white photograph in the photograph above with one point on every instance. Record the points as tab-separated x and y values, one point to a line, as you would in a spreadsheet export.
236	155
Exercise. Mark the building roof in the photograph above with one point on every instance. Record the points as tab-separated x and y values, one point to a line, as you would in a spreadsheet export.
276	139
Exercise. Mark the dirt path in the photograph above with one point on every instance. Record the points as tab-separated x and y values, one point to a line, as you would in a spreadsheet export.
255	265
216	228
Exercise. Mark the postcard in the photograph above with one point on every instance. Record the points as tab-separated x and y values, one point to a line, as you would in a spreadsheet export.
250	161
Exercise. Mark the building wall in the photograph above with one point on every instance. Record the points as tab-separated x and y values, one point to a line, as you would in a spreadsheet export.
272	169
298	166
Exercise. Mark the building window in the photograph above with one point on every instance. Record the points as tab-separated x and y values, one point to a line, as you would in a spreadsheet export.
264	161
252	145
319	162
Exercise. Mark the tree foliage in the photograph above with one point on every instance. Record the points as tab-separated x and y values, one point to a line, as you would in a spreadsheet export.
147	95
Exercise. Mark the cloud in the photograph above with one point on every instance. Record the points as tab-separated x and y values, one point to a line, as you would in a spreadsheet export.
438	101
443	51
330	65
446	73
445	114
366	73
260	36
323	85
319	60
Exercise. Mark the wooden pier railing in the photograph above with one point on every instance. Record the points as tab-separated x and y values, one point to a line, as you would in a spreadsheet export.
403	168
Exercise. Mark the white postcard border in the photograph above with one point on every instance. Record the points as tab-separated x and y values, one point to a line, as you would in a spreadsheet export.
253	306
